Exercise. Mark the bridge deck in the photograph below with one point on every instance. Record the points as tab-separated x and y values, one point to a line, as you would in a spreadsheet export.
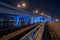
54	30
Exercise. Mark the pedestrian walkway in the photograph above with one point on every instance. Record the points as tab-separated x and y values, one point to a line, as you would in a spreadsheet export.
54	30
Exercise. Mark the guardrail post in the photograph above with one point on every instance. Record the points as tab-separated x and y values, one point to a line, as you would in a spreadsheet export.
32	36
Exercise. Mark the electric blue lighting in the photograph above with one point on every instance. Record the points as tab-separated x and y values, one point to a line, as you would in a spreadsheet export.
38	18
25	20
31	20
48	19
16	21
41	18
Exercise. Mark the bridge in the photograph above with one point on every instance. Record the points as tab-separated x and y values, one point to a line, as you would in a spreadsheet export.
17	24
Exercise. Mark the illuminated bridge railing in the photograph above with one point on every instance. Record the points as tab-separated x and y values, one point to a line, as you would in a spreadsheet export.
35	34
16	33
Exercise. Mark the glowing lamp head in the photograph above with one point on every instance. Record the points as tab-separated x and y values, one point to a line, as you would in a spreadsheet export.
36	11
19	5
23	4
56	20
42	14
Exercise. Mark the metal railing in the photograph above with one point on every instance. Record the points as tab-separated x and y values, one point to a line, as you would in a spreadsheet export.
16	32
35	34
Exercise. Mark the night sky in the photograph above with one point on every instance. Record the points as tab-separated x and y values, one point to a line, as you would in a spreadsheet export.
50	7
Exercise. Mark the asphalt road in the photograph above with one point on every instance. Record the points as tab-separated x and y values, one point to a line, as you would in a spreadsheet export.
54	30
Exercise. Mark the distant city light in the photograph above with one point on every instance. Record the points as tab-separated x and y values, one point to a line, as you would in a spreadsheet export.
36	11
56	20
45	15
49	16
42	13
35	21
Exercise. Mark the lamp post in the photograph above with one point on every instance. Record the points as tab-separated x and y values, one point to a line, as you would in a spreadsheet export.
18	6
36	11
22	5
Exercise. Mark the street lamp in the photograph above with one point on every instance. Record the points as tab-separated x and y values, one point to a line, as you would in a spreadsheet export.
56	20
35	11
18	5
42	13
23	4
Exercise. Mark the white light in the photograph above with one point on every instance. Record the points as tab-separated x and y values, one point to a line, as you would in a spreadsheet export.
42	13
41	20
19	5
23	4
36	11
35	21
56	20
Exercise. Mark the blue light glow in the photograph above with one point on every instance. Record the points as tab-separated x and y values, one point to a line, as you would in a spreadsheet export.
16	21
25	20
47	19
41	18
31	20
